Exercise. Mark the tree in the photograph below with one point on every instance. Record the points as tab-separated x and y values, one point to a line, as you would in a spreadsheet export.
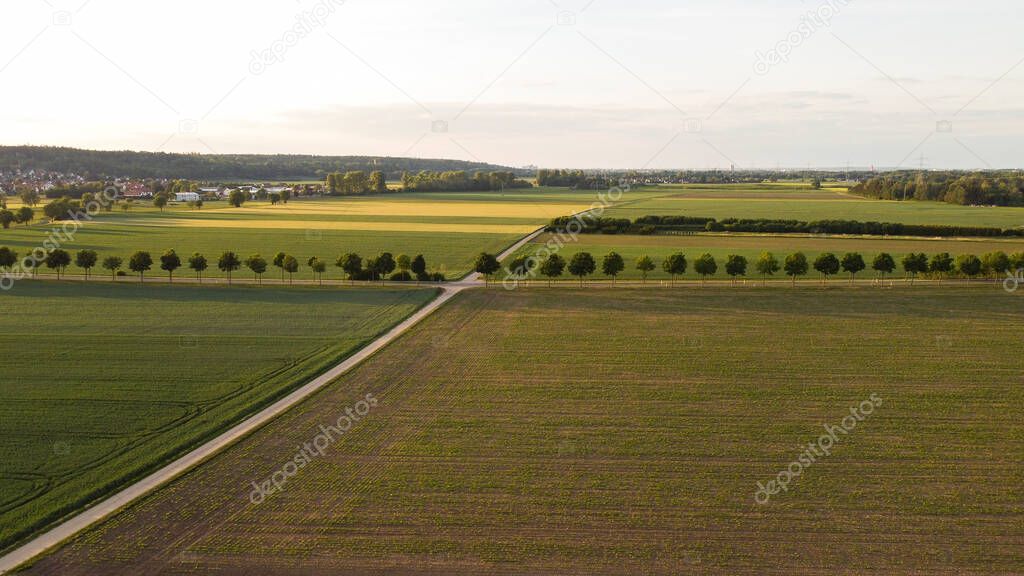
735	265
795	265
160	200
969	265
552	267
486	264
612	265
112	263
350	263
384	264
378	183
705	266
139	263
279	262
914	264
286	195
675	265
86	259
29	197
645	265
404	262
237	197
8	258
827	265
1017	261
520	267
995	264
853	263
291	266
58	259
941	264
766	265
25	215
582	264
7	218
198	263
883	264
275	198
31	264
170	261
228	263
258	265
419	268
199	204
319	267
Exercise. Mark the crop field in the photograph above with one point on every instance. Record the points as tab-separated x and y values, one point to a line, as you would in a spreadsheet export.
626	432
448	229
800	202
751	246
104	382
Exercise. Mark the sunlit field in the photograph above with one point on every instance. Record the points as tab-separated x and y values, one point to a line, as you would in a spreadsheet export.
448	229
104	382
626	432
800	202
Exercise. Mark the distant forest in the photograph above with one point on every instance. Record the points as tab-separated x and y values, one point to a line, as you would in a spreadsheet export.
973	189
95	164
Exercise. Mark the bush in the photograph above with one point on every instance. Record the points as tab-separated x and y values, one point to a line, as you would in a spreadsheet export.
400	277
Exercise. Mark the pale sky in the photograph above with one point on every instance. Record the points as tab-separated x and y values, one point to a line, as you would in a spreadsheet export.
554	83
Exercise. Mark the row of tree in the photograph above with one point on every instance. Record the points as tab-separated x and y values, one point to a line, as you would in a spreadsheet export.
353	265
979	188
355	182
574	179
461	181
646	225
583	264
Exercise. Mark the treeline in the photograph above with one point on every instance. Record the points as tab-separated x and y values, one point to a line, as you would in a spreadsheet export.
583	264
574	179
355	182
354	267
646	225
974	189
461	181
97	164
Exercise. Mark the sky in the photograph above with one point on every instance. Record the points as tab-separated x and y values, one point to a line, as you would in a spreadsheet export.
552	83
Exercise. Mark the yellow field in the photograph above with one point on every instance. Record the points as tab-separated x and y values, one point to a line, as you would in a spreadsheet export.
265	224
419	207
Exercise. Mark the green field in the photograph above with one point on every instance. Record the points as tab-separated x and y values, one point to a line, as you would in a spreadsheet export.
104	382
599	432
751	246
799	202
449	229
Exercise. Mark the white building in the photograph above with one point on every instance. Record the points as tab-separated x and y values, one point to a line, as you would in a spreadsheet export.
186	196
